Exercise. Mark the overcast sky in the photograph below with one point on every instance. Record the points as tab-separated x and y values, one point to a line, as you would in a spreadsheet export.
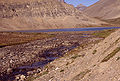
84	2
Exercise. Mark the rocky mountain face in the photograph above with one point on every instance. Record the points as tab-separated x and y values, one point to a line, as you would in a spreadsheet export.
81	7
41	14
104	9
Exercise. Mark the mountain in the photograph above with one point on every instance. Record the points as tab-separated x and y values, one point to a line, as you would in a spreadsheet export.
104	9
81	7
42	14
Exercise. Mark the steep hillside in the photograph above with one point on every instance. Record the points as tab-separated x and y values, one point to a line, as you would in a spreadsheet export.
41	14
81	7
105	9
99	62
115	21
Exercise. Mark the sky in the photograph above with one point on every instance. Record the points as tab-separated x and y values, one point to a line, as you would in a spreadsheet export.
84	2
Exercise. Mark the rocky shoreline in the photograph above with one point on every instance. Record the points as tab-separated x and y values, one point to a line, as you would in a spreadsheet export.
13	57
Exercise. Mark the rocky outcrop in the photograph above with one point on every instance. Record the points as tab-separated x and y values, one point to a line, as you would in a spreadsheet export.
41	14
104	9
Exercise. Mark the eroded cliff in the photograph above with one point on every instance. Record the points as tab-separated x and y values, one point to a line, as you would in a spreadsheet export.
41	14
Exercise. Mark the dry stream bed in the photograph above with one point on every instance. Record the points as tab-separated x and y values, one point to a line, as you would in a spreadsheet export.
24	54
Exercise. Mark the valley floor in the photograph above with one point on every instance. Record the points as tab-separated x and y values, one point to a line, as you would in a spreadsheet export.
20	49
78	52
99	62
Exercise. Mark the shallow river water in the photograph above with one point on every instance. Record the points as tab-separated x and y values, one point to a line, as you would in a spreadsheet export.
71	29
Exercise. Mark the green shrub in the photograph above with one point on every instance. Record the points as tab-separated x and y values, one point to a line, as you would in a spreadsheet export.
111	55
75	56
62	70
104	33
118	58
94	52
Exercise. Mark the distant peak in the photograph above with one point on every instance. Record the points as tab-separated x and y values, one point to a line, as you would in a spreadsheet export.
80	5
61	0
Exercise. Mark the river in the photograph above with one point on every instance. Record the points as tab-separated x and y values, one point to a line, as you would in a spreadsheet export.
70	29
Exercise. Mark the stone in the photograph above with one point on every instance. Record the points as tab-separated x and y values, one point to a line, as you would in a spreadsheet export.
11	61
39	70
17	77
30	73
22	78
57	68
9	70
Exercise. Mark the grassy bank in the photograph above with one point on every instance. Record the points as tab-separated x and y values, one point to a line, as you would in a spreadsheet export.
104	33
15	38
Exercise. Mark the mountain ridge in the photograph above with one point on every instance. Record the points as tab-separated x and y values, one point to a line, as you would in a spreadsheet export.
104	9
42	14
81	7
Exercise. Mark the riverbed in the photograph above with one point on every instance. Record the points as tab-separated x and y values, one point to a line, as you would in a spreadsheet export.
21	59
70	29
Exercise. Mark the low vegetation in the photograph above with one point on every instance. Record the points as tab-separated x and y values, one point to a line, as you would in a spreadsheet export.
62	70
118	58
44	73
76	50
81	75
111	55
67	63
76	55
31	78
104	33
99	34
117	40
94	52
14	38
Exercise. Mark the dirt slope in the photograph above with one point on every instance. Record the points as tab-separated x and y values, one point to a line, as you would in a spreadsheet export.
101	62
41	14
105	9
